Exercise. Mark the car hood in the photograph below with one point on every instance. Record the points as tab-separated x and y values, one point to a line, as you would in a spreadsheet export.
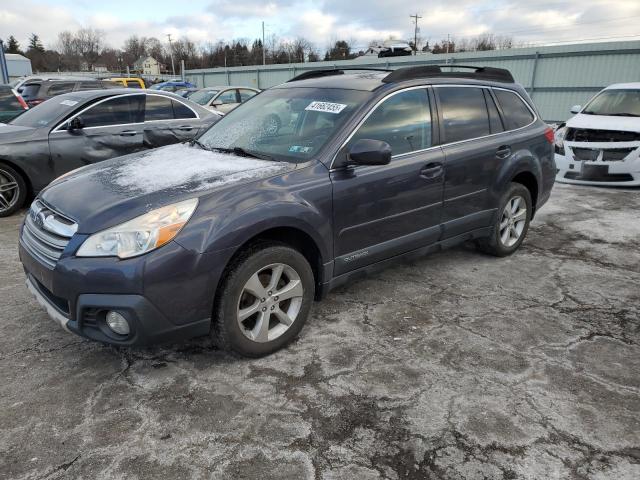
13	133
108	193
605	122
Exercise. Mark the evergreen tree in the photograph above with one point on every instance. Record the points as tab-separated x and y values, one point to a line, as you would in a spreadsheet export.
12	45
35	44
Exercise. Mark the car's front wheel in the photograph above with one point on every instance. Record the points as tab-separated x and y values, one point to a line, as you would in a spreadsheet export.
511	224
264	300
13	190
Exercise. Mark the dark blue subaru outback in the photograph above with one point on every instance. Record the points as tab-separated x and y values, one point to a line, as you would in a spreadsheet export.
330	175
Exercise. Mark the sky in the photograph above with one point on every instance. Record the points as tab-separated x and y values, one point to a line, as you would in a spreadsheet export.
360	21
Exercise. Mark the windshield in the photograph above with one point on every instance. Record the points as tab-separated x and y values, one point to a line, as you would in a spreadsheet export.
286	124
47	113
203	97
621	103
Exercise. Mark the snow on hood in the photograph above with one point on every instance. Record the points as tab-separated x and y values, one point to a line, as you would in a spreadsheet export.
189	166
605	122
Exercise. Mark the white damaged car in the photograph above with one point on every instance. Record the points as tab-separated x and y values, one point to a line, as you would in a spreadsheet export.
601	144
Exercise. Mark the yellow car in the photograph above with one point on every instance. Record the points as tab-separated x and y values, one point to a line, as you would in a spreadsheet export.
129	82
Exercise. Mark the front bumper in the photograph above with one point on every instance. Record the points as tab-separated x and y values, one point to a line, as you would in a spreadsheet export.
619	173
166	295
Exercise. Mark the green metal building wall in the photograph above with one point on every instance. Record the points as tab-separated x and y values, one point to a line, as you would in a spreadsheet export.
556	77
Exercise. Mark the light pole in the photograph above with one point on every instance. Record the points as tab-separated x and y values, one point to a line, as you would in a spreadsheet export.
264	56
415	33
173	67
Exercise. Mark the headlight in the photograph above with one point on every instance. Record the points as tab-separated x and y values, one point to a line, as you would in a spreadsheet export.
559	140
140	235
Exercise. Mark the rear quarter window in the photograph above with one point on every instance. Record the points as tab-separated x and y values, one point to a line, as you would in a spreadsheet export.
60	88
515	113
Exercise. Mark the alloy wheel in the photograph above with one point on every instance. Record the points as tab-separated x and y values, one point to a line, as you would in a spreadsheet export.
9	190
270	302
513	221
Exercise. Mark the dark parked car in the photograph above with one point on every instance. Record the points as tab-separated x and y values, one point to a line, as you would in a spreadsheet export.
35	92
76	129
11	104
172	86
237	233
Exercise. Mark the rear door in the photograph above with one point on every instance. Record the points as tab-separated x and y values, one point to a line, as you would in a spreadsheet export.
168	121
111	128
473	153
386	210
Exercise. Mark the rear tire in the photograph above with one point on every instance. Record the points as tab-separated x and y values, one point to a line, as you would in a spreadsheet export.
264	300
511	222
13	190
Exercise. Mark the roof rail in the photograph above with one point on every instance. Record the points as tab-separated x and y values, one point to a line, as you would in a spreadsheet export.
332	71
481	73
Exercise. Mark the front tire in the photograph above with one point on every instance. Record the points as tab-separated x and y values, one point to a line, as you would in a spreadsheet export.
13	191
511	223
264	300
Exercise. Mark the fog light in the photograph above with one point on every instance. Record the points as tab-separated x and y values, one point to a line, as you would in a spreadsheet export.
117	323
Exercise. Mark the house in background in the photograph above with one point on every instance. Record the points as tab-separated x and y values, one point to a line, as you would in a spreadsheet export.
147	66
18	66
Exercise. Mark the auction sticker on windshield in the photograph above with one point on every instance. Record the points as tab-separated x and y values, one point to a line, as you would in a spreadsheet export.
326	107
69	103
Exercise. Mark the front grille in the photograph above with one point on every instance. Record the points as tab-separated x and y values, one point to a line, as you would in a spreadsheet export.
587	154
616	154
599	177
46	233
592	135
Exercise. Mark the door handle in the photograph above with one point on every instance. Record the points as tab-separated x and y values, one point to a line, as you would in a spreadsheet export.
186	128
503	151
432	170
128	133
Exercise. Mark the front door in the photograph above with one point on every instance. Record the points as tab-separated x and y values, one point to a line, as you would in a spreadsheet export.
108	129
168	121
382	211
226	101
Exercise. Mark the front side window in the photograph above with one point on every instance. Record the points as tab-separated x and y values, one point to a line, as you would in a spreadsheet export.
133	85
464	113
515	112
203	97
115	111
403	121
615	102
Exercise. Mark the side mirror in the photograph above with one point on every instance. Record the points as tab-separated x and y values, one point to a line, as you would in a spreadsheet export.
576	109
216	103
369	152
75	124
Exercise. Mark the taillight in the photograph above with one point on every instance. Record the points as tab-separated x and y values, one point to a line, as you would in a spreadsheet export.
548	134
22	102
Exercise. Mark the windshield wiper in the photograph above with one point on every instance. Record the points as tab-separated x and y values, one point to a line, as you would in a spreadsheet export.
624	115
193	142
241	152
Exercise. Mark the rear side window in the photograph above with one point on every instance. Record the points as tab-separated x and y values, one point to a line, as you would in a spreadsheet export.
60	88
115	111
464	113
158	108
163	108
180	110
495	123
403	121
29	91
515	112
133	85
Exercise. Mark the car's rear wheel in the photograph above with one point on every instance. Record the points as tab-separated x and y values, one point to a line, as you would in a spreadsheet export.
264	300
511	224
13	190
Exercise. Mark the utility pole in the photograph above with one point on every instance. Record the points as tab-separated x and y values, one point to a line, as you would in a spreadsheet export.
173	67
264	55
415	17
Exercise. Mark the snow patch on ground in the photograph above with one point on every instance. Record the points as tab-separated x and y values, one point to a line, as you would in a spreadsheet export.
182	165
